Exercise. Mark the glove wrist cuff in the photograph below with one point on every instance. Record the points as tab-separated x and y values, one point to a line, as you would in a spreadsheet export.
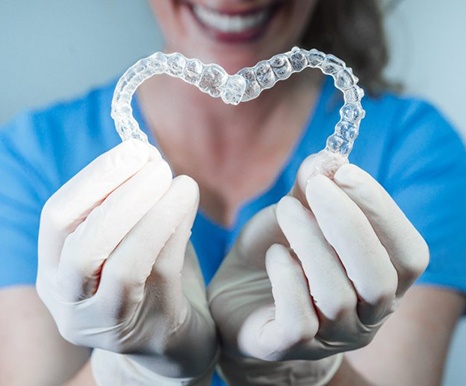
120	370
331	371
240	371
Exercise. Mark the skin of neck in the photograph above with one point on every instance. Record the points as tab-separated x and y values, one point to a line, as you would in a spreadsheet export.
233	152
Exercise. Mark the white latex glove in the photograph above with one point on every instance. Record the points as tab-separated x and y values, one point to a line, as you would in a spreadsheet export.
311	277
113	273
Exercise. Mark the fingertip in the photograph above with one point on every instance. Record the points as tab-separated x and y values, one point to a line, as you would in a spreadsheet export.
284	205
277	253
322	163
160	172
131	152
288	209
316	186
323	195
188	189
359	185
350	175
154	153
286	276
278	260
306	169
282	260
187	184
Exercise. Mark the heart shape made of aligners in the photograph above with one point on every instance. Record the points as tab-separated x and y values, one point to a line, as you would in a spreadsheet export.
244	86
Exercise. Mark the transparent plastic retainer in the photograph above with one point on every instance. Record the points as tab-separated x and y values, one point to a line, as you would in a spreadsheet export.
244	86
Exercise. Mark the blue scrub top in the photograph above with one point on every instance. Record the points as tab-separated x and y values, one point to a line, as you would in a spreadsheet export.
404	143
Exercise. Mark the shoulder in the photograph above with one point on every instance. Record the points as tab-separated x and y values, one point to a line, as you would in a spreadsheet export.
420	159
59	140
86	118
394	127
404	135
39	151
398	117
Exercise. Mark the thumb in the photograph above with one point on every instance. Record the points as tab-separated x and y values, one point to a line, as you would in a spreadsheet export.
261	232
323	162
271	331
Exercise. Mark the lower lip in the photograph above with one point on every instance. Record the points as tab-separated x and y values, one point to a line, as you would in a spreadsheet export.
246	36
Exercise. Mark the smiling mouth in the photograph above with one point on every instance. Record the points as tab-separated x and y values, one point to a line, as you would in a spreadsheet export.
234	26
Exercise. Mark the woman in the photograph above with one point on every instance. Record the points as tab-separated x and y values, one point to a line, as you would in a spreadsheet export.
113	240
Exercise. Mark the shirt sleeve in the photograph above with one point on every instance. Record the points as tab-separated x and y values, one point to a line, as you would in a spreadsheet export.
426	175
39	151
22	195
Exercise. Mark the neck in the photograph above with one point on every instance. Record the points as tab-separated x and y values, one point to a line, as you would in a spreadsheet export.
174	108
236	148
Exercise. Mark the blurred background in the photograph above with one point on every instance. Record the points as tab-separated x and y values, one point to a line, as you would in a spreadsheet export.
57	49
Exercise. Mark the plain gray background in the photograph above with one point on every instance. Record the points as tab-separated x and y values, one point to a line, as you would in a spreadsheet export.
56	49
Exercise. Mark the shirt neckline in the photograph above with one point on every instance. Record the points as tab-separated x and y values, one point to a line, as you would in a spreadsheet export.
308	143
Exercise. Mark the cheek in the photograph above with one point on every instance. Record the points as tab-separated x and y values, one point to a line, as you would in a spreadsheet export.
301	14
158	8
161	13
168	18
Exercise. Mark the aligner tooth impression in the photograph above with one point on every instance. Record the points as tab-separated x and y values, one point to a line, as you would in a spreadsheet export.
246	85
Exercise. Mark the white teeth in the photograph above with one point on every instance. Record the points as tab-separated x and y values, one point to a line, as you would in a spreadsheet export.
229	23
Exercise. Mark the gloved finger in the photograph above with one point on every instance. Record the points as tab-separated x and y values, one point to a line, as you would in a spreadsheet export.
185	199
270	332
324	162
86	249
165	281
247	256
193	278
331	290
72	203
366	261
126	271
165	278
407	250
193	286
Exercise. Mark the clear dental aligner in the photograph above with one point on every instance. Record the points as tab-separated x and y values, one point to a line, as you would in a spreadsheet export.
244	86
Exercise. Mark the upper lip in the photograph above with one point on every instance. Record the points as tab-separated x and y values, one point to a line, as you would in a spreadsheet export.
238	11
229	22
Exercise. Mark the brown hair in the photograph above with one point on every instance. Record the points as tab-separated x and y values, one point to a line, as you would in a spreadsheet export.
353	31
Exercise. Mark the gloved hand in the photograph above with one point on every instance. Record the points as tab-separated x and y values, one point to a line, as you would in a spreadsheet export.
117	272
311	277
